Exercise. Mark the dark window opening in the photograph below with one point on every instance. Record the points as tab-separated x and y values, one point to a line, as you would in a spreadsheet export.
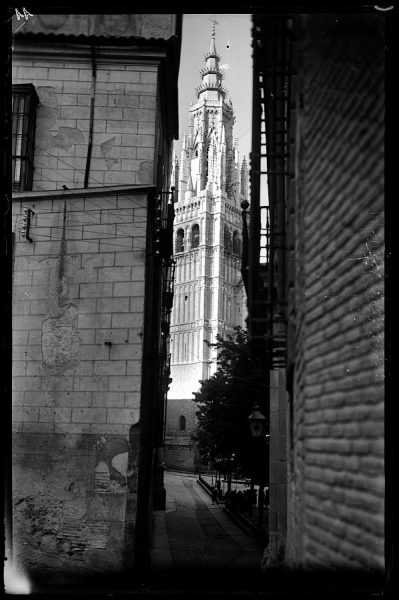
24	103
236	244
195	236
179	244
182	423
227	239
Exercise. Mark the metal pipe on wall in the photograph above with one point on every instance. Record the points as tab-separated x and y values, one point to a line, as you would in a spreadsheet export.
91	118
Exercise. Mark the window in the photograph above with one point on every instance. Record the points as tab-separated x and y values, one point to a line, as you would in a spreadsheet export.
195	236
227	239
182	423
24	103
179	243
236	244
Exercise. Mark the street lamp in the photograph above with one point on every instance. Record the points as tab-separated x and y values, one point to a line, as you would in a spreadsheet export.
257	424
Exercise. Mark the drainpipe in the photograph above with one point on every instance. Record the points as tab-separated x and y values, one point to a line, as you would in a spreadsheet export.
93	93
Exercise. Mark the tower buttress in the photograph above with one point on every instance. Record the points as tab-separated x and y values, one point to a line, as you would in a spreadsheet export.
244	180
183	168
175	176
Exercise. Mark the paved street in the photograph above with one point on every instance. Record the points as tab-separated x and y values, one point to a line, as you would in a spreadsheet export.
195	537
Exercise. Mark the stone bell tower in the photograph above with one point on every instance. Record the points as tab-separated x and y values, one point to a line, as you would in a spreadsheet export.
209	295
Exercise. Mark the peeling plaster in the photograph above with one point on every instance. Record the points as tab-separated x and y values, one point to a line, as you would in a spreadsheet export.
101	478
111	162
60	333
67	137
47	96
120	462
47	116
55	270
106	149
145	172
135	416
61	339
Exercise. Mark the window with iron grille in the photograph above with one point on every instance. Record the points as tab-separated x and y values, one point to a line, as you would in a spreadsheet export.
24	103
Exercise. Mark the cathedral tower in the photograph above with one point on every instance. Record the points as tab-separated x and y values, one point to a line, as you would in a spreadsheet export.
209	296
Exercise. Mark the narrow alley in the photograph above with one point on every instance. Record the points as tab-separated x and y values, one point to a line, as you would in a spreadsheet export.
195	538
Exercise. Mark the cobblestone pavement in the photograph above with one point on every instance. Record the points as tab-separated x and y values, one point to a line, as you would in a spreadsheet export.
195	536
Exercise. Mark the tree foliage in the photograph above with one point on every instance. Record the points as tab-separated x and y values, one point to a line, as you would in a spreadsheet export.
225	401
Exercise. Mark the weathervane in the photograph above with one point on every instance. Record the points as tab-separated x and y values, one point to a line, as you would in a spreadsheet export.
214	26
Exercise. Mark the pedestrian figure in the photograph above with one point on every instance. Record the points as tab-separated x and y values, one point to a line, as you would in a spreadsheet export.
261	497
214	496
219	490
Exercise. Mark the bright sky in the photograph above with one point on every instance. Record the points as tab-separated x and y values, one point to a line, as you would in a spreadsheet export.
233	44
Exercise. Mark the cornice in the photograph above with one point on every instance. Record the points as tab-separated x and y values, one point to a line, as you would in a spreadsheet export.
82	193
58	51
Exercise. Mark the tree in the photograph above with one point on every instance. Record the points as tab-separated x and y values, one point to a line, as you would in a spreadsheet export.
224	402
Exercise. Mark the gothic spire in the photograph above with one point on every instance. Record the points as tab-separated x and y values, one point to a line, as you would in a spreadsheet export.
211	74
190	189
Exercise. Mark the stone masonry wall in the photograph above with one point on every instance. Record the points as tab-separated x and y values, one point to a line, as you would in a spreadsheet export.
336	481
77	353
123	125
180	451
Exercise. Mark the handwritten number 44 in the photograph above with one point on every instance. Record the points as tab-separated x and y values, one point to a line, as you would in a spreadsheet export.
26	14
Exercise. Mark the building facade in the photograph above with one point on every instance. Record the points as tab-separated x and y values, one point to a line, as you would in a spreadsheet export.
94	116
321	80
209	292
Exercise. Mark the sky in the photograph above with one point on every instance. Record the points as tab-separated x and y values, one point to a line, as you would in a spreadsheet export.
233	44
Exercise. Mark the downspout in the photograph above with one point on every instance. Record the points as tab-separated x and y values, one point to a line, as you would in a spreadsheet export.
91	123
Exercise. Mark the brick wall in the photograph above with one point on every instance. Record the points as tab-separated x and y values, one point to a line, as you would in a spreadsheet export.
78	302
336	478
123	118
277	518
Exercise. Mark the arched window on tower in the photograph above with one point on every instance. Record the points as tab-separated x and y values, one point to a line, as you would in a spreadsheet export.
195	236
236	244
179	242
182	423
227	239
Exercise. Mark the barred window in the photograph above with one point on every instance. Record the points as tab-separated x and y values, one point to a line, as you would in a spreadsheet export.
24	104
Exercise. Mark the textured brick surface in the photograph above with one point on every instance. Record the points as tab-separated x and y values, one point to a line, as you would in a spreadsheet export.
336	479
